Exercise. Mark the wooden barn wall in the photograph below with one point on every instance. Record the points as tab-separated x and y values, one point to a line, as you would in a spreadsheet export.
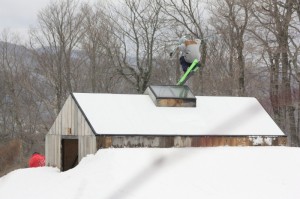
69	124
87	145
188	141
70	121
53	150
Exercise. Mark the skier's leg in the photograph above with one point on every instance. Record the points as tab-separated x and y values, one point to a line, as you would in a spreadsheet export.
191	70
184	65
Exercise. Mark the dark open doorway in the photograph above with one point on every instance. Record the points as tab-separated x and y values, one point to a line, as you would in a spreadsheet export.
69	153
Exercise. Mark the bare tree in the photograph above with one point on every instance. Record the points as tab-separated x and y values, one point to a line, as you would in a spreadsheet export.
297	7
54	43
20	111
230	20
96	40
294	50
273	32
137	28
11	69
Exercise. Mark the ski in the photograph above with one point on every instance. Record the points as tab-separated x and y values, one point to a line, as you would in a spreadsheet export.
191	70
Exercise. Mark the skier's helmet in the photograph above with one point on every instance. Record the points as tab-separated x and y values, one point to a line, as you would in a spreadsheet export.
182	39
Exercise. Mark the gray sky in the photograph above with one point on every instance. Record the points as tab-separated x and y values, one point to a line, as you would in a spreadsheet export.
19	15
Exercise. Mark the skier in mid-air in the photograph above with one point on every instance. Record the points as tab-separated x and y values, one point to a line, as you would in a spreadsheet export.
190	56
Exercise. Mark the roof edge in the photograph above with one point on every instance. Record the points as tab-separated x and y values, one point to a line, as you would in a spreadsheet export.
82	112
192	135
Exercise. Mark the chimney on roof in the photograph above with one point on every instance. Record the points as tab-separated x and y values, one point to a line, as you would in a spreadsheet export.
171	96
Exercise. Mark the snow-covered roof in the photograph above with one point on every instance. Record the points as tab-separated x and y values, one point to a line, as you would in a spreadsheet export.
129	114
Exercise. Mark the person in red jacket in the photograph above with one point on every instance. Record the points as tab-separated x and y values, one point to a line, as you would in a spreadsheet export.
36	160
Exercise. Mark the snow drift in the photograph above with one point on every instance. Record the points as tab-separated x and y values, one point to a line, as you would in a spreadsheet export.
221	172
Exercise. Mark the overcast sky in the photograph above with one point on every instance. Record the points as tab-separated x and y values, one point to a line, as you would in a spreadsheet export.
19	15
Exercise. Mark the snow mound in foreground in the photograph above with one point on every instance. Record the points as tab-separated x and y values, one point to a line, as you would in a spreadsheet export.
221	172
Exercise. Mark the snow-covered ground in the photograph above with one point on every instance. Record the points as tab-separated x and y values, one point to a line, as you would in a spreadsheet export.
141	173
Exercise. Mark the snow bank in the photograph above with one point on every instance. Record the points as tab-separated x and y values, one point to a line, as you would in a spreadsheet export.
222	172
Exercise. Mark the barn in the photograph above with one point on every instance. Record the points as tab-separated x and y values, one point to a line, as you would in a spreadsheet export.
164	116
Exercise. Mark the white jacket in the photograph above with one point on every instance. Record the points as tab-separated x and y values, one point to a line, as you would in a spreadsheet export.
190	50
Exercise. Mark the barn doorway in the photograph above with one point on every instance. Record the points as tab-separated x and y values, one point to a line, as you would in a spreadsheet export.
69	153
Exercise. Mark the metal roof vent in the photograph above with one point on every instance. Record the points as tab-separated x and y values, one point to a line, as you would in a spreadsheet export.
171	96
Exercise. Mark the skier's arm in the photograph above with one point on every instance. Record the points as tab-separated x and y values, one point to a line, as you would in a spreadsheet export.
173	51
180	47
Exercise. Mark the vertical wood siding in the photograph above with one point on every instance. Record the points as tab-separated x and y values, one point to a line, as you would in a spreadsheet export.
70	121
87	145
53	150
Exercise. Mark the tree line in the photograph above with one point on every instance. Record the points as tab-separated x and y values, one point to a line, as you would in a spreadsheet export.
249	48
